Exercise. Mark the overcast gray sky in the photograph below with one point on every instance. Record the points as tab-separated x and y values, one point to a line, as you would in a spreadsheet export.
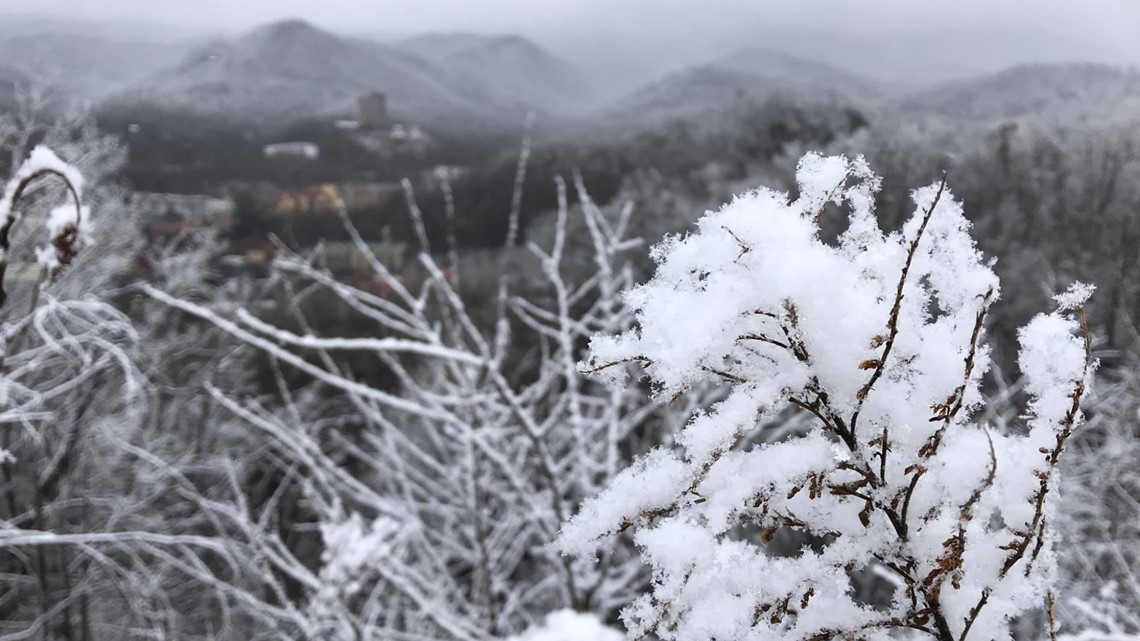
886	37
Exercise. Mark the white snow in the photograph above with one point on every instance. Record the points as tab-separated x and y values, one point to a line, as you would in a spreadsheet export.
568	625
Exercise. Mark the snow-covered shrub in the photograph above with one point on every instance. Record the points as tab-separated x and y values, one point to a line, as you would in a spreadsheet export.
878	337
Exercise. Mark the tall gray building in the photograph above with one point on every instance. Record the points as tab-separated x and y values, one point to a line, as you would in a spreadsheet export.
372	110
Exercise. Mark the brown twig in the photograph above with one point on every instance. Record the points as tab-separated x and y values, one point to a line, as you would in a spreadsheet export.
1049	614
893	319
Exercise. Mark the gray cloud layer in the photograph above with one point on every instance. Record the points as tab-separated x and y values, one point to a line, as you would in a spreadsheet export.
887	38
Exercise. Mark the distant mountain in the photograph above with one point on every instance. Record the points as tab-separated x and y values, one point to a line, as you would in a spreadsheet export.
747	75
83	66
439	47
929	54
117	30
1062	91
799	73
511	68
291	69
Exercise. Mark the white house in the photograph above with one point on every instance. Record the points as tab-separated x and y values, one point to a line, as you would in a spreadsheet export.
306	150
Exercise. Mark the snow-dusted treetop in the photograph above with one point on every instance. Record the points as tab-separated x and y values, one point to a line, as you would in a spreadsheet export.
878	337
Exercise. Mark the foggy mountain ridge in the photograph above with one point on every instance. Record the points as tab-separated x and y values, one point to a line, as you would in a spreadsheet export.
743	76
800	71
1051	89
1058	90
929	56
87	66
120	30
291	69
514	68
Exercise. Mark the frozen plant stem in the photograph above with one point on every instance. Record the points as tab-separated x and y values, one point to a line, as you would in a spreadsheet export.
65	236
